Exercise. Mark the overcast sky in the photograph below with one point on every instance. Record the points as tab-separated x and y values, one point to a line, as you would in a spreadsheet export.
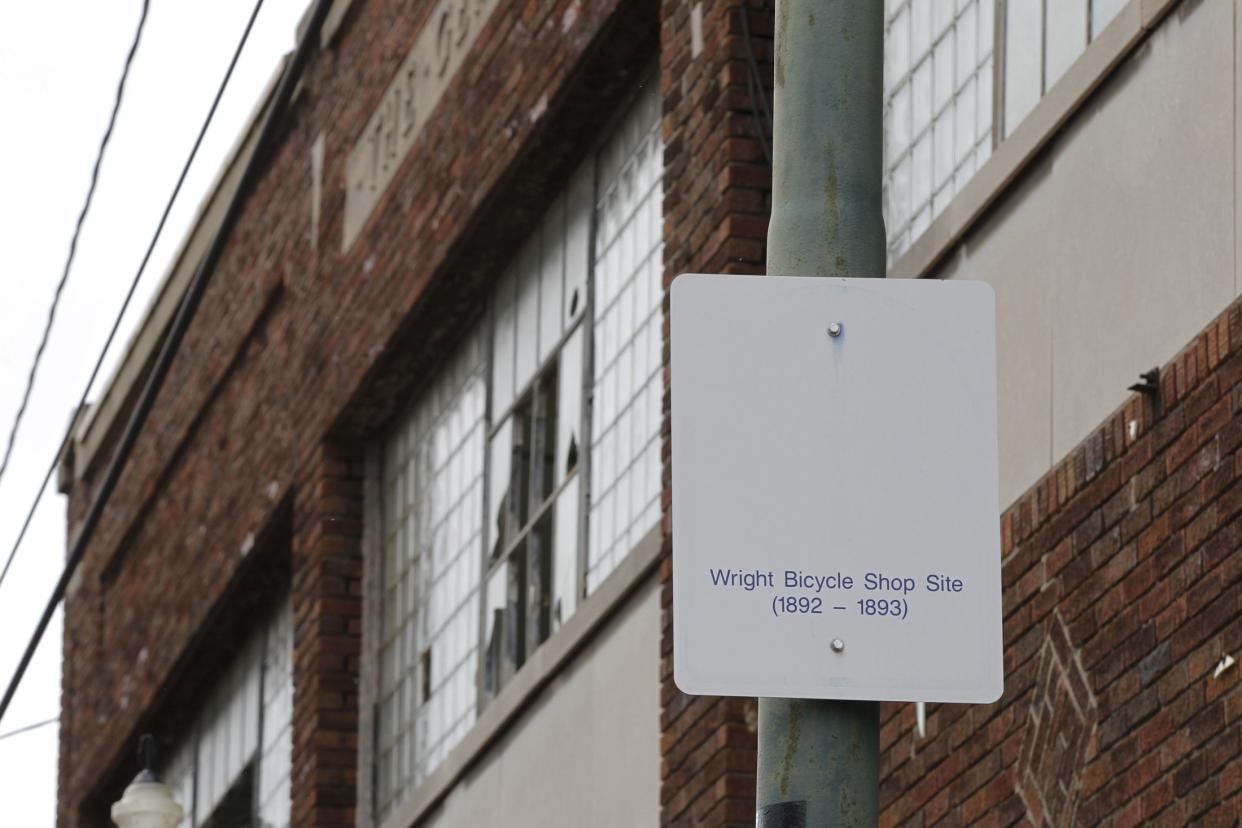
60	61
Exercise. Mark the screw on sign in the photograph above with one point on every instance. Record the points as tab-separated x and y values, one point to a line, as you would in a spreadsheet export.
821	511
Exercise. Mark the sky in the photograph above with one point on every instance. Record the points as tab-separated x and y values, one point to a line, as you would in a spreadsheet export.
60	61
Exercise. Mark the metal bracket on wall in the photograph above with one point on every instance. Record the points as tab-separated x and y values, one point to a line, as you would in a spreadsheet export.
1149	383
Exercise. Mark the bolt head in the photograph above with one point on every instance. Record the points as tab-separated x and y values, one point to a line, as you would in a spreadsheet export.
838	646
834	329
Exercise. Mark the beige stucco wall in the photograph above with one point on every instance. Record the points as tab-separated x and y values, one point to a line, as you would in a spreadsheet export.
1116	247
587	752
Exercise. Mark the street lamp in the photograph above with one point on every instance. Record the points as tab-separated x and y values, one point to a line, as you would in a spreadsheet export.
147	802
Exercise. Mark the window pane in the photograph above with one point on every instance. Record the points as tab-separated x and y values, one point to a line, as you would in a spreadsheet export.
921	172
551	278
623	311
964	172
1023	52
504	342
983	102
965	128
527	314
983	151
920	29
943	68
542	440
897	125
942	198
897	50
922	219
499	473
537	602
1102	13
569	406
275	760
944	148
1067	37
967	51
921	98
232	761
565	546
986	27
897	197
433	548
493	639
578	242
178	774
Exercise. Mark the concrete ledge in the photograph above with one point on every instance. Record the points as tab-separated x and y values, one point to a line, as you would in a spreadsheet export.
1127	30
548	661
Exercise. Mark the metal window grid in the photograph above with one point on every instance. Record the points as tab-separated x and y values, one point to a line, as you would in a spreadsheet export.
244	727
1095	17
433	494
628	342
938	108
572	262
944	68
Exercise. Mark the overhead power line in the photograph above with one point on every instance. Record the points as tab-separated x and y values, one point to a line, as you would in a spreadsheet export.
133	285
176	333
29	727
73	243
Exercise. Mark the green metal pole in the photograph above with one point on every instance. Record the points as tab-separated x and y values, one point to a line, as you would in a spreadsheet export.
819	760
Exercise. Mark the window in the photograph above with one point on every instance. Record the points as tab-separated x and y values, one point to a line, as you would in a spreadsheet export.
491	536
626	380
433	519
1102	13
938	108
233	766
536	437
1042	39
939	77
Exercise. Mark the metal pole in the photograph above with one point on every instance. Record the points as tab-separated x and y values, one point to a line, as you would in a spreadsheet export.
819	760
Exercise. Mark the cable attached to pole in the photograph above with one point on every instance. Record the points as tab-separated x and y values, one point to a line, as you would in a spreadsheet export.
176	333
133	285
760	112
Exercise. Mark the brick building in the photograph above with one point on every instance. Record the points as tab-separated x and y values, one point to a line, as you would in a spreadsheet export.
393	548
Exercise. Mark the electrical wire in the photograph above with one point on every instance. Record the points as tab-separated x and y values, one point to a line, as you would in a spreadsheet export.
30	727
759	109
133	285
73	242
173	339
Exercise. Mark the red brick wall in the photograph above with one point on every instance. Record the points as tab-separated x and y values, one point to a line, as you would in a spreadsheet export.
327	624
298	356
716	205
1122	591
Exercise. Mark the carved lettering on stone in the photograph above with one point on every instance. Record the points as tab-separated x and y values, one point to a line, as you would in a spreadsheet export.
438	52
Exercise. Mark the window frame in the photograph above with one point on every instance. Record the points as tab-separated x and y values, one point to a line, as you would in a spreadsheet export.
1001	130
588	604
255	653
492	561
936	112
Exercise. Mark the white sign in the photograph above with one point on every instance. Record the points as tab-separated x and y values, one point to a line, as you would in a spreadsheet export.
836	525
